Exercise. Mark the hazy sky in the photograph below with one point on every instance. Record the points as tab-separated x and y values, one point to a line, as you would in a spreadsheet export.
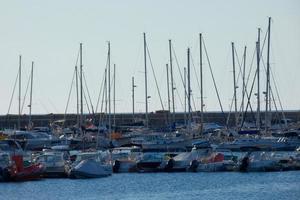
49	33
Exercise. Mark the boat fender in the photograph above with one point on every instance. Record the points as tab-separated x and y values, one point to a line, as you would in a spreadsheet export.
6	175
116	166
170	164
245	163
193	165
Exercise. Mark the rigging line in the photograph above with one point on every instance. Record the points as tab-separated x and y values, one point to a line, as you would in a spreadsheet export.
69	96
194	104
154	77
252	61
238	61
180	100
276	113
232	100
230	107
248	100
251	67
102	85
100	92
277	93
178	67
196	74
71	86
78	53
88	93
26	91
276	88
181	77
86	101
229	114
102	100
246	91
215	85
261	57
10	102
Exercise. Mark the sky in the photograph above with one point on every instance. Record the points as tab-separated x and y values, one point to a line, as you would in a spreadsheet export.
49	33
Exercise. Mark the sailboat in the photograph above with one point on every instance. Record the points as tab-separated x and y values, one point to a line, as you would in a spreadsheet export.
87	164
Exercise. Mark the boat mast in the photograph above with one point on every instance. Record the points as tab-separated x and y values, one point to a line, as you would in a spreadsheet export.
268	107
201	83
189	89
77	98
20	71
133	86
234	85
109	104
114	95
258	80
172	82
146	88
106	94
244	89
185	96
30	104
81	89
244	84
168	88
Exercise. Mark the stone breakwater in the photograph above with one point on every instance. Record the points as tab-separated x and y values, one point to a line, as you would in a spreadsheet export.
156	119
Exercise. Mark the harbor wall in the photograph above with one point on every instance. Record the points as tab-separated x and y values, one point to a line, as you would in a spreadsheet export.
157	119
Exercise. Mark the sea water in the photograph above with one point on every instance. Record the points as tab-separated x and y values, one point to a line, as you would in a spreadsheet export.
271	185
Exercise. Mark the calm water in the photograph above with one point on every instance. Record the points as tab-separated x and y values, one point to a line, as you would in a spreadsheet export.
275	185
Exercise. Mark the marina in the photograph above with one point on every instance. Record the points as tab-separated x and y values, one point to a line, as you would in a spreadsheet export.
97	146
175	118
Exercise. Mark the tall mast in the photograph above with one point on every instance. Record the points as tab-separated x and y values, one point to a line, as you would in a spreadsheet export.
168	88
268	80
146	88
114	95
189	89
20	72
81	89
109	104
234	85
201	83
258	80
30	104
244	83
133	86
172	82
185	96
77	98
105	96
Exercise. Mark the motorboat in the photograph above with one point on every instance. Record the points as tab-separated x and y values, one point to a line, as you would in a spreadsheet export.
124	159
150	161
89	165
54	163
216	162
261	144
259	162
24	170
90	168
30	140
183	161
